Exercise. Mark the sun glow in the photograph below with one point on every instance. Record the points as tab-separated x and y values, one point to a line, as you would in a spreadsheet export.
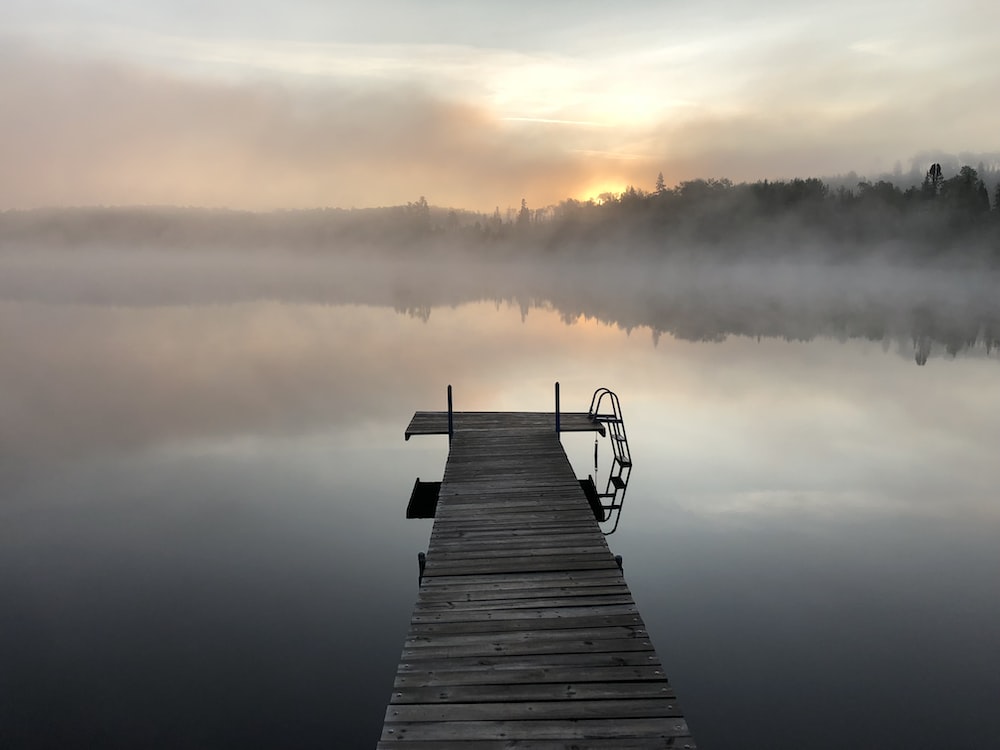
599	192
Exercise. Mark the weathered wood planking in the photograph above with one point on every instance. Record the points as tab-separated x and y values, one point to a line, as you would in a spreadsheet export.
524	634
436	422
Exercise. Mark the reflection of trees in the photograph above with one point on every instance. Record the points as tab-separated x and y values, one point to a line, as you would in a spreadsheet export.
927	312
923	312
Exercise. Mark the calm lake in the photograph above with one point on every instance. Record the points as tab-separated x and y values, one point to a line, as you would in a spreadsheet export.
203	481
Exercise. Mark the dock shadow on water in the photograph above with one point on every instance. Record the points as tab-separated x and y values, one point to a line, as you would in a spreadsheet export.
203	483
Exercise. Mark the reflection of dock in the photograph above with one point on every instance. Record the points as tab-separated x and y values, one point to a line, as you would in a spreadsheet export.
524	633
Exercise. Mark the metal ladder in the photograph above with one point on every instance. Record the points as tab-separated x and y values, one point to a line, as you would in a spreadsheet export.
613	496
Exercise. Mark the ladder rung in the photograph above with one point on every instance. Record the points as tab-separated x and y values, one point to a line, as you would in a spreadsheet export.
623	462
618	482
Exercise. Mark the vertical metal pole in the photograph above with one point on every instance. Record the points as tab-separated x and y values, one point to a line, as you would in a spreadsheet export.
451	418
557	409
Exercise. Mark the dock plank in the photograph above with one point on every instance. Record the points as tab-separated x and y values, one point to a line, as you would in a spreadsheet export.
610	708
530	636
533	675
533	729
641	743
555	691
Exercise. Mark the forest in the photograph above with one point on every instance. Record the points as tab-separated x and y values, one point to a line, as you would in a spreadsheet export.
951	219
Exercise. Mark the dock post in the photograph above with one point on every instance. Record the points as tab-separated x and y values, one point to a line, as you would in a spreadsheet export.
557	408
451	418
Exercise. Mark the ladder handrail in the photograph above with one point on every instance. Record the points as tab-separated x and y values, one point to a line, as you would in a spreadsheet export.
615	423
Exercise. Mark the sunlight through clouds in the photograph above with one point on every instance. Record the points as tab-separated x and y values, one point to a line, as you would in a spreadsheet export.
477	107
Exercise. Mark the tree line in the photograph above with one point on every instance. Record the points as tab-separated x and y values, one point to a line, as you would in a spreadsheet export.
943	218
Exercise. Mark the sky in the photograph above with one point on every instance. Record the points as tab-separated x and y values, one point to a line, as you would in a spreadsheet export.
266	105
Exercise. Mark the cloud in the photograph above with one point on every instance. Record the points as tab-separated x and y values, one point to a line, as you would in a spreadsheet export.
154	118
103	133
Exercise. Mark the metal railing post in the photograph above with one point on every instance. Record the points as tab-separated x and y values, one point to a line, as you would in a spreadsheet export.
557	409
451	418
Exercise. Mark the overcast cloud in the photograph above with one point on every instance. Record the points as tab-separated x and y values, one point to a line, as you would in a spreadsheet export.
378	103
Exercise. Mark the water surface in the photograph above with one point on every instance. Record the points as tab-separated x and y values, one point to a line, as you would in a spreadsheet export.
202	541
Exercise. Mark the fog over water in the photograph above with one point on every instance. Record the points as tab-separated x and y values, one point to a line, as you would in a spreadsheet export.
947	310
203	481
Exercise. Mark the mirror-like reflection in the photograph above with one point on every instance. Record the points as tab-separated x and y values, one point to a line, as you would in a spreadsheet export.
923	311
202	531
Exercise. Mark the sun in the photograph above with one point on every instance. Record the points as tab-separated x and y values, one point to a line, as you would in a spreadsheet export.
599	190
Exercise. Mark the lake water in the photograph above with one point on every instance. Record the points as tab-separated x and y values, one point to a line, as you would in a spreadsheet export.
202	494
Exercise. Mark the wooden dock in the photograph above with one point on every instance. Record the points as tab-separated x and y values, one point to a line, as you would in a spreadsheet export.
436	422
524	634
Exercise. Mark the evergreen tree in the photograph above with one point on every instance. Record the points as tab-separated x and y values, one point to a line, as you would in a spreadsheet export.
420	214
932	181
524	215
966	192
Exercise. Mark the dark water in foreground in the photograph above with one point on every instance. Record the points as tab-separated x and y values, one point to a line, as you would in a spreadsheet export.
202	540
